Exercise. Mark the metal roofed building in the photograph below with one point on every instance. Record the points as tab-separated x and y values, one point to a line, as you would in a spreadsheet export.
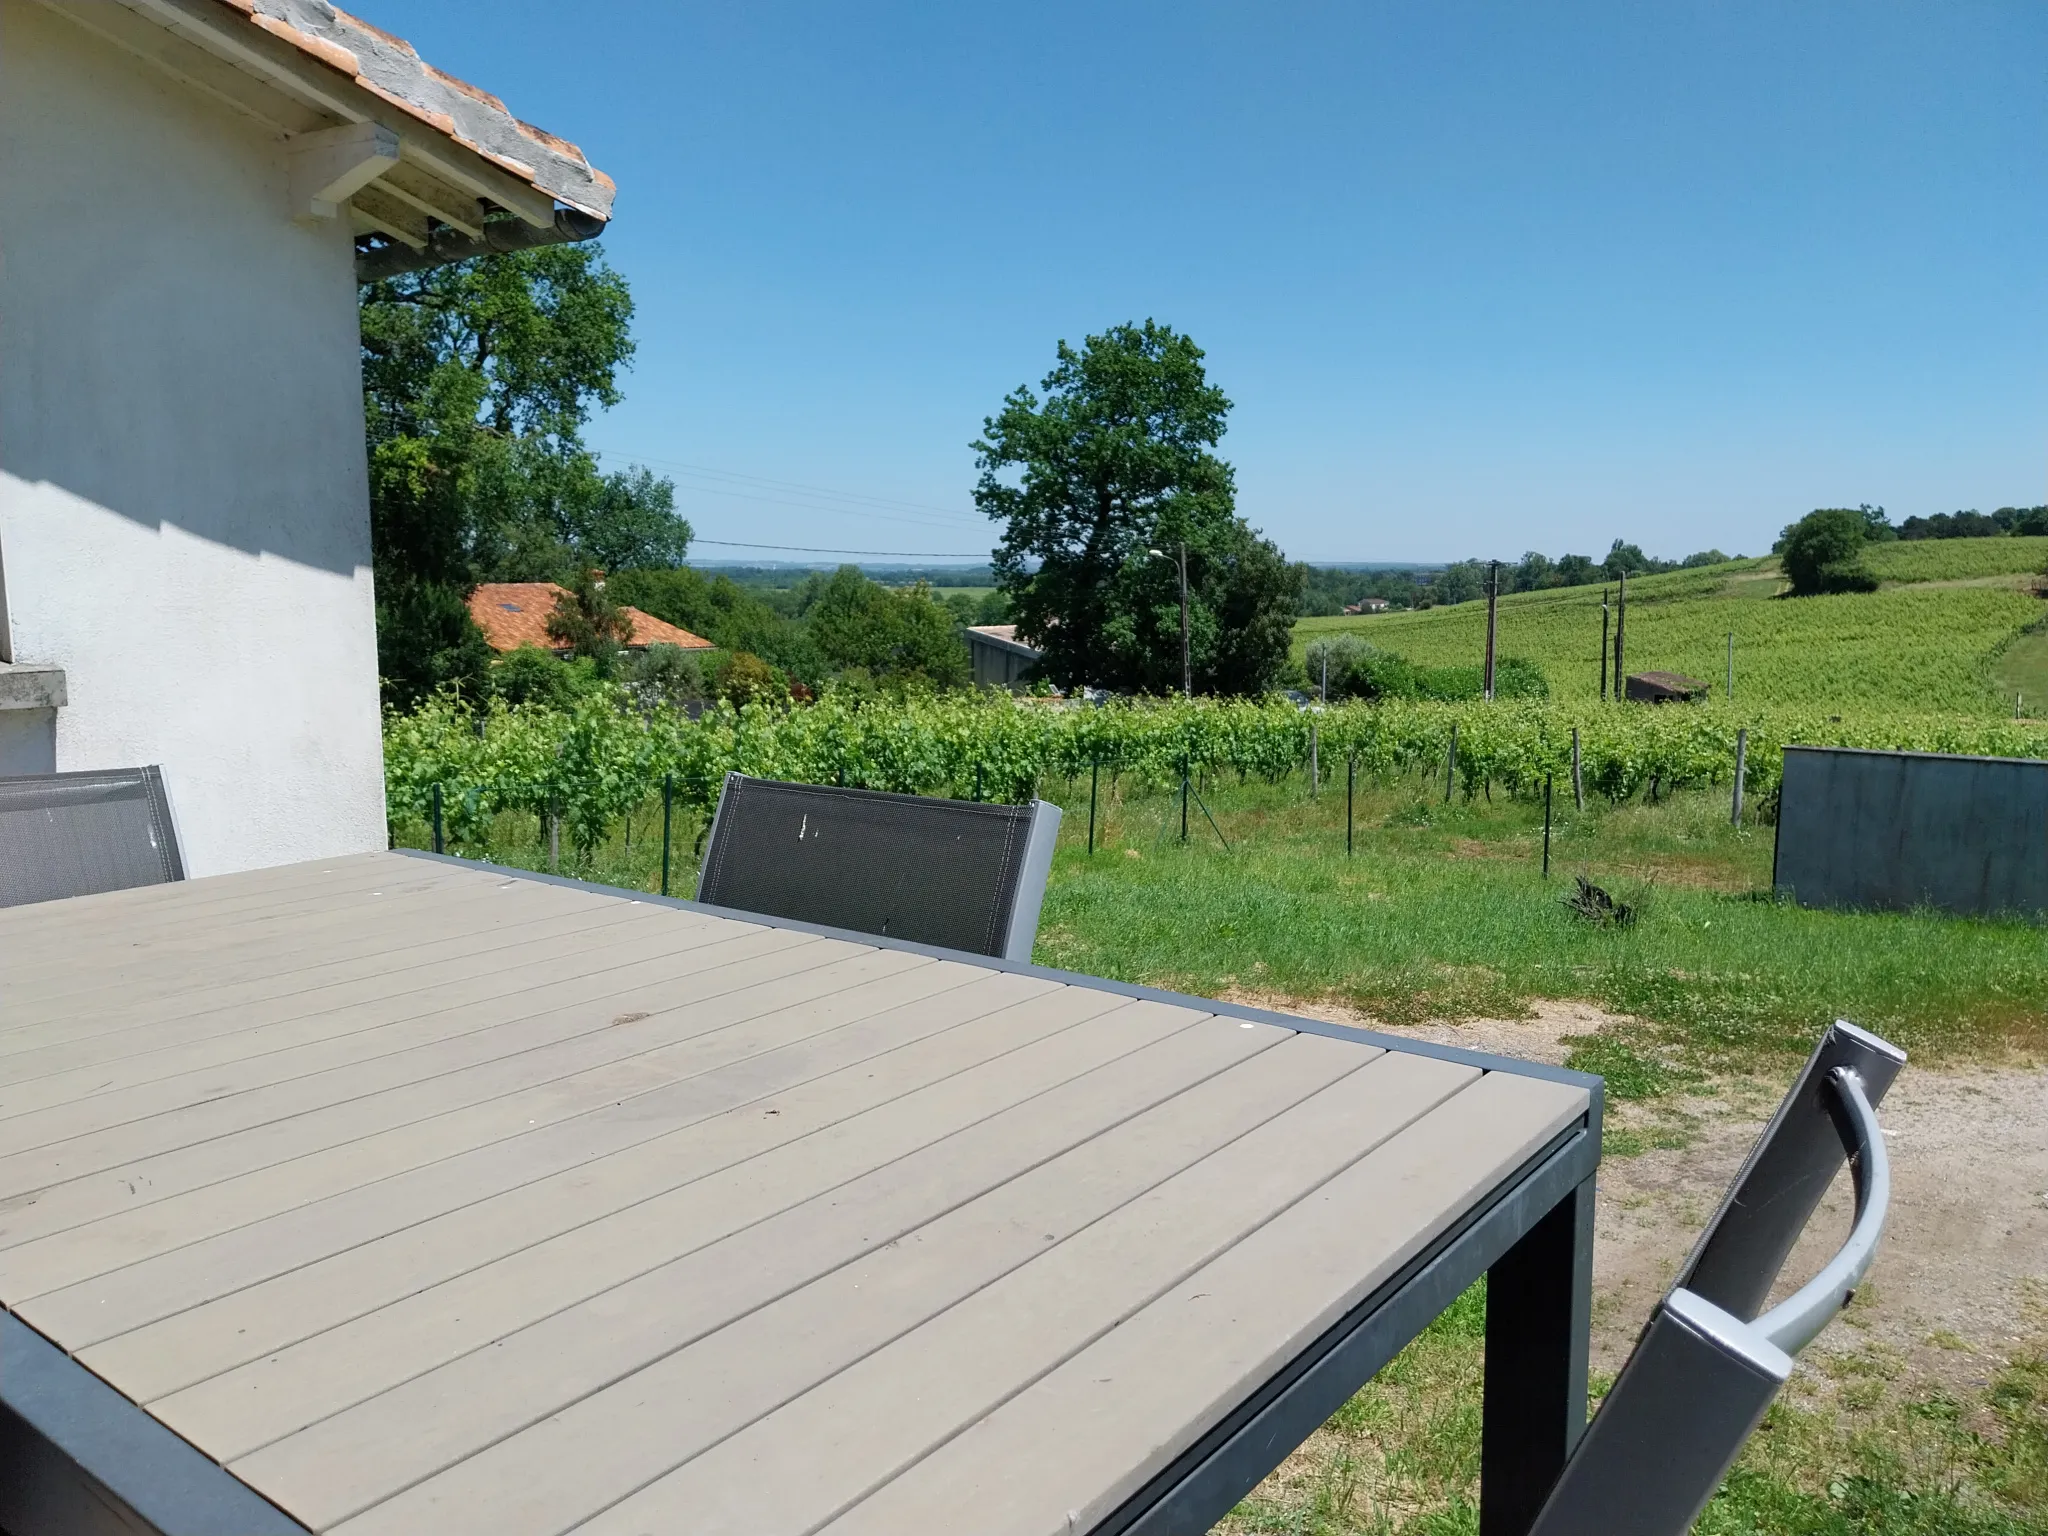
1664	688
193	190
999	658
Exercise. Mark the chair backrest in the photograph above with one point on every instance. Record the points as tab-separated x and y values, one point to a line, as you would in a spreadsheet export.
76	834
951	873
1711	1359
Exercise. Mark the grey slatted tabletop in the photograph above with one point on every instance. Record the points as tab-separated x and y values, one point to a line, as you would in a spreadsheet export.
427	1198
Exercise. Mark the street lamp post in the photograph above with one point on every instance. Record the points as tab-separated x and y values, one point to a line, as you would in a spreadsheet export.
1187	668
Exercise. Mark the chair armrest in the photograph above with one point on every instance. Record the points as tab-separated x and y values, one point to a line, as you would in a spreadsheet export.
1793	1322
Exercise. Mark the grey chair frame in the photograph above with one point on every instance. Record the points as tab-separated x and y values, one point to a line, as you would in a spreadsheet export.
1710	1360
26	794
1031	869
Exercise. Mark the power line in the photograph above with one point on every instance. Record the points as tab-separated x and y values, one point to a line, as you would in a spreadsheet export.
859	498
808	549
812	506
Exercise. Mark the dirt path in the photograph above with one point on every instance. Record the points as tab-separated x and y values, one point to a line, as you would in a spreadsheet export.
1962	1278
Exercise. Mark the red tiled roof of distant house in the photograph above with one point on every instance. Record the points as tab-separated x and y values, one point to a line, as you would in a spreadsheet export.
516	613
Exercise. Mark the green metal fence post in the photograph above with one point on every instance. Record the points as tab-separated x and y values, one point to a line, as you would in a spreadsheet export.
668	799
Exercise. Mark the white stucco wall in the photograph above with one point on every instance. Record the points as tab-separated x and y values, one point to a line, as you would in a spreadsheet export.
184	522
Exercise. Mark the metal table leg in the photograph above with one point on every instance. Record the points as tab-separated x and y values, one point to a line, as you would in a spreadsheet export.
1539	1302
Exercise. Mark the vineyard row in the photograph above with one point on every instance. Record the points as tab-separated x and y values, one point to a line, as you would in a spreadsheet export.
591	765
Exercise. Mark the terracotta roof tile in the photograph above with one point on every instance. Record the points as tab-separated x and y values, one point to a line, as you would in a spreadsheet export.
515	613
390	68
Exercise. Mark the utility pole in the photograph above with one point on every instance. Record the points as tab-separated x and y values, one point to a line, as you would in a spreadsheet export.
1603	645
1492	610
1187	669
1620	625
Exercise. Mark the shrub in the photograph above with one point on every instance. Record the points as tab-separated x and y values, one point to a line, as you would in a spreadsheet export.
1358	670
746	679
667	674
531	675
1823	552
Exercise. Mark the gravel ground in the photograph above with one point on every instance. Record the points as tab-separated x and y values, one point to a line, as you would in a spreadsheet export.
1962	1278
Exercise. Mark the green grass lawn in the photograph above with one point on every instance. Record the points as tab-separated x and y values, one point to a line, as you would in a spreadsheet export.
1402	1458
1443	912
2021	672
1914	645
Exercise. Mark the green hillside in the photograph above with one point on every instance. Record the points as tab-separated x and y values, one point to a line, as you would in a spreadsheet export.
1947	631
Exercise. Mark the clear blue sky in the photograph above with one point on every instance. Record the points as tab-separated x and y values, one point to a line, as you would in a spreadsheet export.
1479	278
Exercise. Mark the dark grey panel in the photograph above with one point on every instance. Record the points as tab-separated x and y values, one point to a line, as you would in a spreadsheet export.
77	834
948	873
78	1459
1907	829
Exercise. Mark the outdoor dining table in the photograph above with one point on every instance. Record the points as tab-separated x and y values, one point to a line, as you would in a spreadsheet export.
395	1194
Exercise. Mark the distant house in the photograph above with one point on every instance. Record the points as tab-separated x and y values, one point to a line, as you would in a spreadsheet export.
515	613
193	191
1665	688
1367	605
1000	659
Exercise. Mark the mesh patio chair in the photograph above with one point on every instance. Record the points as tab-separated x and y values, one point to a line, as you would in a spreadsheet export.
77	834
950	873
1711	1359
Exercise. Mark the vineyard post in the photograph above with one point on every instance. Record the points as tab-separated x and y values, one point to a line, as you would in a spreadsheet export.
1451	763
1730	694
1620	627
554	836
1350	786
977	781
1741	764
1492	610
1603	645
1315	767
1546	826
668	800
1578	778
1184	767
437	818
1094	772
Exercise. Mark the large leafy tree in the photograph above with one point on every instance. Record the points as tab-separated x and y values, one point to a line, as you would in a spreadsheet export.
1116	462
1823	552
478	378
896	635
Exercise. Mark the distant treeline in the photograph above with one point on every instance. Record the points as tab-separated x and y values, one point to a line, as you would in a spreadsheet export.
2020	521
1327	592
793	576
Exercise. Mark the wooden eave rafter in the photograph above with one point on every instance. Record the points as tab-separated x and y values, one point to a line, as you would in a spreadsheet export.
414	187
434	181
317	85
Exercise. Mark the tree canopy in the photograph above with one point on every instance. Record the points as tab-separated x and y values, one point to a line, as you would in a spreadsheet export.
1823	552
1113	464
899	634
478	378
